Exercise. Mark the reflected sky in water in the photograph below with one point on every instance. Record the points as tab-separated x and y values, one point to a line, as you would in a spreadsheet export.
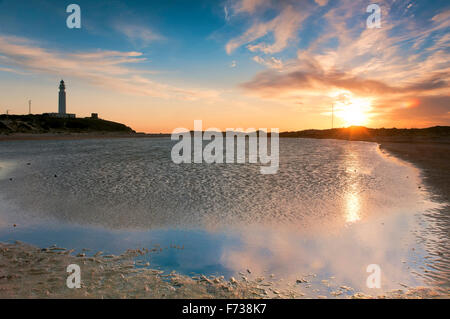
334	208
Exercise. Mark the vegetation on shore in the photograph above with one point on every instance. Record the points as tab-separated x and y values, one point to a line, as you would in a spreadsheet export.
40	124
360	133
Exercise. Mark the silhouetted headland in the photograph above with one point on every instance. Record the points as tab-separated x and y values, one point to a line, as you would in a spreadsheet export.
440	134
40	127
38	124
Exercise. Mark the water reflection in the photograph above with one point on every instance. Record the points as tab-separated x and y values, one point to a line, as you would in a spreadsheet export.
352	198
282	255
334	208
134	184
352	208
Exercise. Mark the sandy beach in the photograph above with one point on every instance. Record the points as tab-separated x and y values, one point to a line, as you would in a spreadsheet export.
432	158
238	149
31	272
38	272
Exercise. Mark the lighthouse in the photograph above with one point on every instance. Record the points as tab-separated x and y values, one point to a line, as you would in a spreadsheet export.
61	104
62	99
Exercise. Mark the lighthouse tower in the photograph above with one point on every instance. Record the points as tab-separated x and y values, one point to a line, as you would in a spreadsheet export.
62	99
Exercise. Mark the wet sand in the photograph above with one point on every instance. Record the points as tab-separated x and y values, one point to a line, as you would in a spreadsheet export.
432	158
30	272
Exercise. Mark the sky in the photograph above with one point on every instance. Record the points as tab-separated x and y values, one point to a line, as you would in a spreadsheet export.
160	65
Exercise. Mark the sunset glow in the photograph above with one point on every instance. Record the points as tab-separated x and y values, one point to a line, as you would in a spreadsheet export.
237	63
355	112
223	154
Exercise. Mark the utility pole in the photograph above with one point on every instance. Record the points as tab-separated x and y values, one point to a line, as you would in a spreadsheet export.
29	107
7	112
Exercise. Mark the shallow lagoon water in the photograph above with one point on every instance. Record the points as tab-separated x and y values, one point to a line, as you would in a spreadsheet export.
333	208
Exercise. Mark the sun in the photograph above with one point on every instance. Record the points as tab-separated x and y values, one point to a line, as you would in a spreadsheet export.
354	111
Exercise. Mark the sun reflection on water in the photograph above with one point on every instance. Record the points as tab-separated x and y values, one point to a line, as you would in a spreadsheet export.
352	207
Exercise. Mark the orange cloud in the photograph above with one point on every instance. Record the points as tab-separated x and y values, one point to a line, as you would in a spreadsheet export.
387	65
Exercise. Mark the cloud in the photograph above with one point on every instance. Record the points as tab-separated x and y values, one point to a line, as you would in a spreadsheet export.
276	83
321	2
138	35
271	62
284	28
12	71
305	82
405	59
249	6
109	69
427	110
